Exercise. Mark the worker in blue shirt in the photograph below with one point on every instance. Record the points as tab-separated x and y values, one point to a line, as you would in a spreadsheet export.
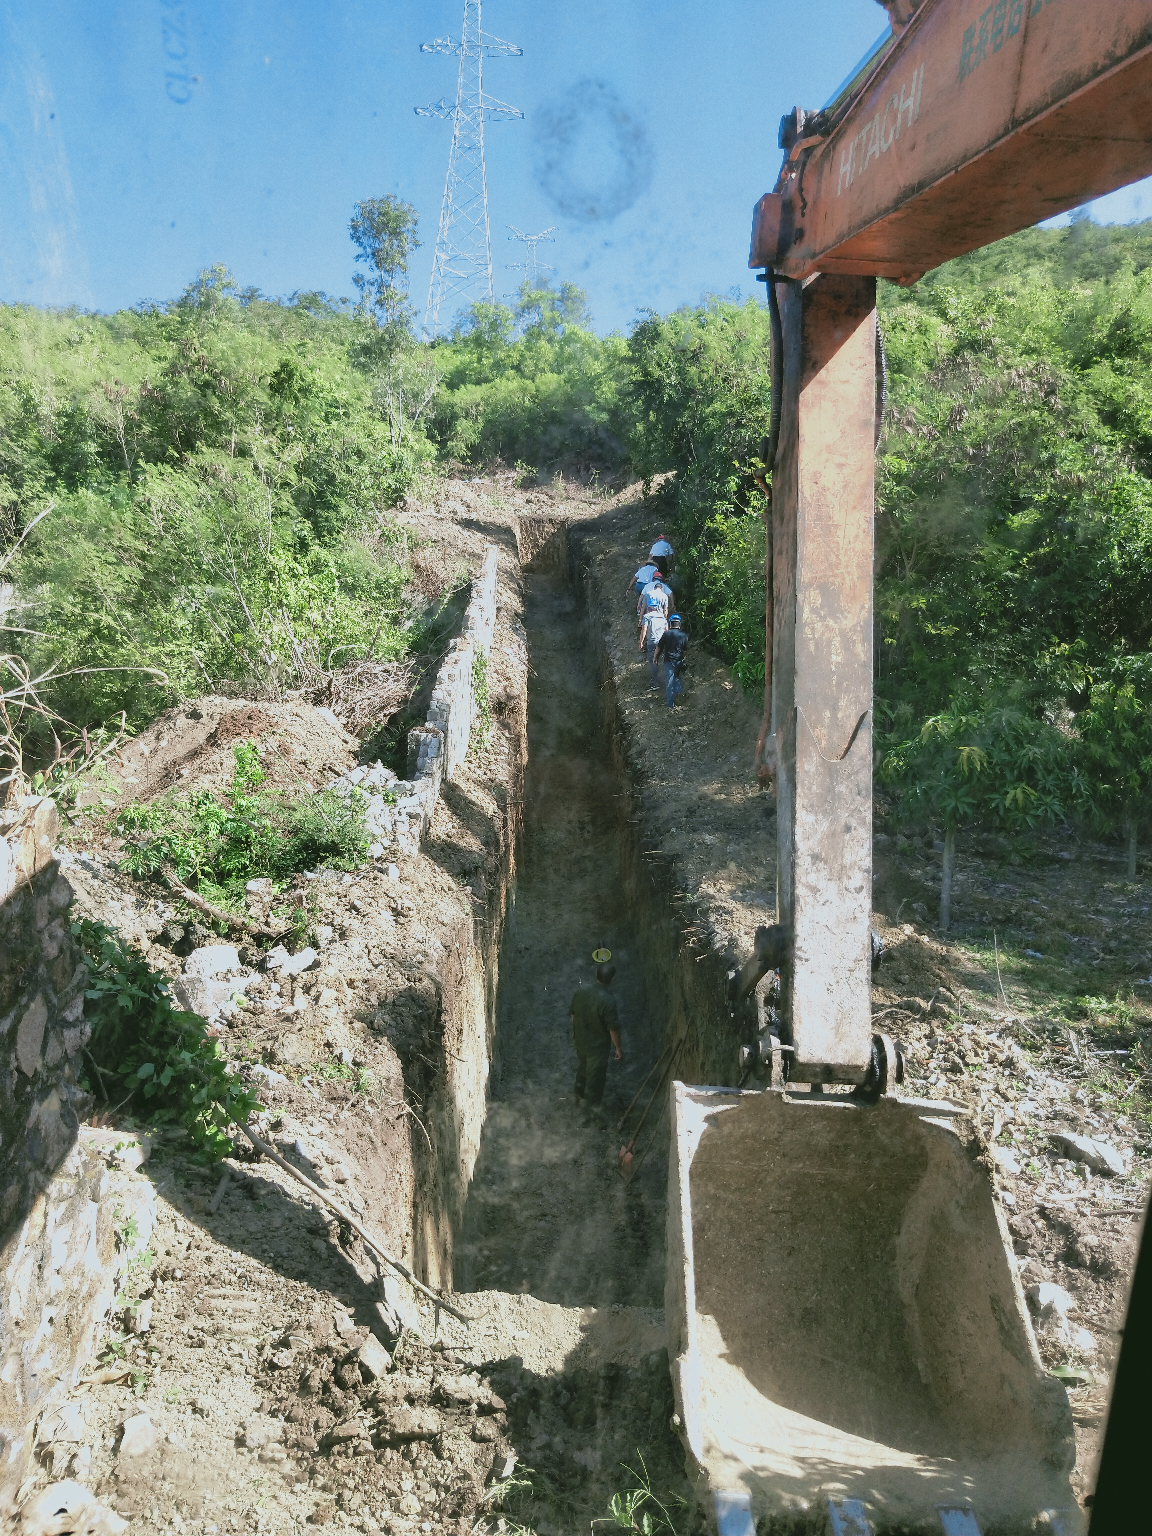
672	650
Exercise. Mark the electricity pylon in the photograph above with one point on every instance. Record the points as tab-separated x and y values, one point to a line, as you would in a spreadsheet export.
462	264
531	266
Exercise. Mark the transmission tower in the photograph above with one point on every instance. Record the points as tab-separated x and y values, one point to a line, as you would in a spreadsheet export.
531	266
462	264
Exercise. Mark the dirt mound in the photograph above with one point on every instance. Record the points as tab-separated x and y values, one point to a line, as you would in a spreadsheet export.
191	747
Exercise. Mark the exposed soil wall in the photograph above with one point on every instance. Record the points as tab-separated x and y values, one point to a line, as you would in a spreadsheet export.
686	963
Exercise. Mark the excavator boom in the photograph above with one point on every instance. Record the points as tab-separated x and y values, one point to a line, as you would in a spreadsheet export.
850	1346
980	118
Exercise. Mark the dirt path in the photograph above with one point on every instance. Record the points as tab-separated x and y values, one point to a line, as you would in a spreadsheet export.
548	1213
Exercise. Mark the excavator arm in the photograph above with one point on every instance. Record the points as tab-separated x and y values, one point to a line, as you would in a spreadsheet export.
849	1342
980	118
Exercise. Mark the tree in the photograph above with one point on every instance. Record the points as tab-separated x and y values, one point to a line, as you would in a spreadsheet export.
1115	739
996	763
383	230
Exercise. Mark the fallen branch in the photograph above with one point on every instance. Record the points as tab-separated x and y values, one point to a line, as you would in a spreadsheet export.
913	1005
350	1221
218	914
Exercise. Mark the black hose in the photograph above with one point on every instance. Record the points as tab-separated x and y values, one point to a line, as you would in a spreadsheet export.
777	372
881	384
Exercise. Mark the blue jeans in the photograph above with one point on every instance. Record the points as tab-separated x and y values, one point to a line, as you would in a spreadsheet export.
653	664
675	687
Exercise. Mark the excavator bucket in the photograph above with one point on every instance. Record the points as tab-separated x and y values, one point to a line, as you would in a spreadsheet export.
850	1346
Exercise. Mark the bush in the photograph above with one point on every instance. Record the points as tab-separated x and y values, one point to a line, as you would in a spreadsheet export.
263	833
221	471
152	1057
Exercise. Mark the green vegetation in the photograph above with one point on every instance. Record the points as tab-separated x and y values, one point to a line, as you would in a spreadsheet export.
262	833
150	1057
481	703
530	383
221	472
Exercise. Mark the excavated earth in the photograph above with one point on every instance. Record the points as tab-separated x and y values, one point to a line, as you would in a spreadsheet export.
592	817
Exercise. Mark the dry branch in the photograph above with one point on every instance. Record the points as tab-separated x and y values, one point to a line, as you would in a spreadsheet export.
350	1221
218	914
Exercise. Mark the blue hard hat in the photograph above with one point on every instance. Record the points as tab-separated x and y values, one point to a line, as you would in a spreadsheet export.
674	618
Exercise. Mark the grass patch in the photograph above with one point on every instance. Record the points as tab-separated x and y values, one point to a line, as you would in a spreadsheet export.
217	846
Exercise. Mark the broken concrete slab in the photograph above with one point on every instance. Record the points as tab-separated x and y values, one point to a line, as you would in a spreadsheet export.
1090	1151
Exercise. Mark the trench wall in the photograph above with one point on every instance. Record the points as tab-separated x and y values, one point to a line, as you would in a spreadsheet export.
455	1102
685	980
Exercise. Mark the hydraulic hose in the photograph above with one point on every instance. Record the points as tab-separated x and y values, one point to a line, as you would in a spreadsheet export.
777	398
764	762
881	384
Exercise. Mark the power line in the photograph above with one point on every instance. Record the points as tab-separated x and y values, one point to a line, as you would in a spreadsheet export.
531	266
462	264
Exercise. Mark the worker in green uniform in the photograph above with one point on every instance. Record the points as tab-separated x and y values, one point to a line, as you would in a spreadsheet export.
596	1033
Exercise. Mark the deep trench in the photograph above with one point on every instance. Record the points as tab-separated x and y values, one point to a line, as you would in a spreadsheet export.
548	1212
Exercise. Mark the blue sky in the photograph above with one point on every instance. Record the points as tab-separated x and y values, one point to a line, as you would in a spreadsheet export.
143	140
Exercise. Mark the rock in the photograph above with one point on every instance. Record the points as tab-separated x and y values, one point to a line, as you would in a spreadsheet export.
373	1357
140	1317
279	959
139	1437
461	1390
1049	1300
324	1513
408	1505
69	1506
343	1324
485	1431
349	1376
259	1432
350	1429
1097	1155
293	1051
400	1424
206	995
212	960
1005	1161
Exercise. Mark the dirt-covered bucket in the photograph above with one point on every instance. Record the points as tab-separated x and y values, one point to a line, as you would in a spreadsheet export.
845	1322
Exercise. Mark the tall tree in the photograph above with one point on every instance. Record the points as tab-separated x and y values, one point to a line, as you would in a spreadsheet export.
383	230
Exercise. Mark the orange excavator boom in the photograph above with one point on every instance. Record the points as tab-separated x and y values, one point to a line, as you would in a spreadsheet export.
979	118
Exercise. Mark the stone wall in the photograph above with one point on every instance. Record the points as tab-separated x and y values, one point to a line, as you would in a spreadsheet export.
60	1188
399	811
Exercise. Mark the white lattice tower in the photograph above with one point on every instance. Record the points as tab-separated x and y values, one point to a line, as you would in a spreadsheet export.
531	266
462	263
